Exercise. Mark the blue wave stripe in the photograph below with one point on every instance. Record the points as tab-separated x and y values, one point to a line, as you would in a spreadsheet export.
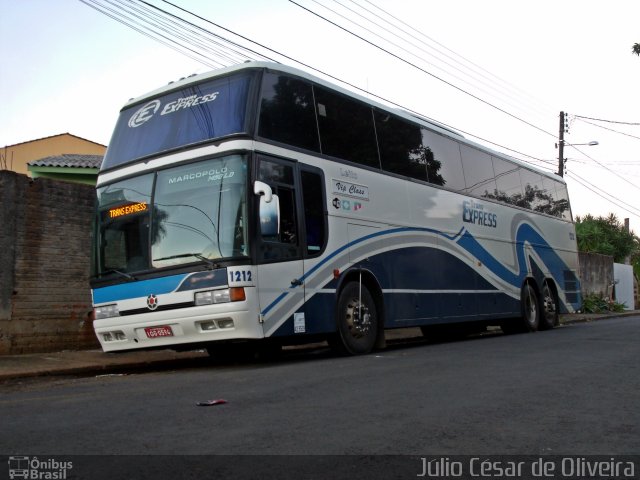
466	240
348	245
141	288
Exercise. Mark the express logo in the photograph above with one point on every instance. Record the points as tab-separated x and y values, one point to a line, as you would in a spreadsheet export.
152	302
473	212
144	114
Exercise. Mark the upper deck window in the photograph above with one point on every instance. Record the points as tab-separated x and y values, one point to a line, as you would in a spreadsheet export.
287	112
199	112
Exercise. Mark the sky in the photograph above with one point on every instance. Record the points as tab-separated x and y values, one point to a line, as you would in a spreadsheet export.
498	70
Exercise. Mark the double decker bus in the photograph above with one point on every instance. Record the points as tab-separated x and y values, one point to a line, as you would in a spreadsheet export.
259	204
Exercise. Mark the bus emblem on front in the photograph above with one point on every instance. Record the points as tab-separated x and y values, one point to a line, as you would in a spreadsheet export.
152	302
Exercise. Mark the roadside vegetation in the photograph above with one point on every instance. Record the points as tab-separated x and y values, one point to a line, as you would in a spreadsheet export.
607	236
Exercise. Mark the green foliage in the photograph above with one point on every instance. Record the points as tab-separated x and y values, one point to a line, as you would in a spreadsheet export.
636	49
607	236
595	304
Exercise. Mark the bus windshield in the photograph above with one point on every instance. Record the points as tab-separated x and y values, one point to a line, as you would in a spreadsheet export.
185	214
193	114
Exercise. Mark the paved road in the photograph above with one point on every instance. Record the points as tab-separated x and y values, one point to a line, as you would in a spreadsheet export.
573	390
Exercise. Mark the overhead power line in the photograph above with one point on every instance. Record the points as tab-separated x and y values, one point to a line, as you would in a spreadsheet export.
609	129
599	192
398	57
193	41
606	121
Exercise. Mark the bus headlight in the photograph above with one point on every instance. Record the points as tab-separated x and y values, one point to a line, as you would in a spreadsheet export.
106	311
209	297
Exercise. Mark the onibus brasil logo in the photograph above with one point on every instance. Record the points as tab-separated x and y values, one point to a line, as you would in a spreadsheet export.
40	469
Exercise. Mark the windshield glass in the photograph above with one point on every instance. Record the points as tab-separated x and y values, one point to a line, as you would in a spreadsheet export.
196	113
198	214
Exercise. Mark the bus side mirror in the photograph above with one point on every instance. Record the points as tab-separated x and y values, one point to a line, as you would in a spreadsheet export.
264	190
269	210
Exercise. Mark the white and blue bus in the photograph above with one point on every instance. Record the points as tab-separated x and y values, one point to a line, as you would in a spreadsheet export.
259	204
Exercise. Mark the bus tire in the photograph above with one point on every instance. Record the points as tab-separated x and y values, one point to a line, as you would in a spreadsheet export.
357	321
549	308
529	319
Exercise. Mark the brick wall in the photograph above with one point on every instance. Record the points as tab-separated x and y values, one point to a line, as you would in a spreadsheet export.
45	241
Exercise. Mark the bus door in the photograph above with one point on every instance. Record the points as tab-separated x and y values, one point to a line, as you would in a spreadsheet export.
287	249
279	247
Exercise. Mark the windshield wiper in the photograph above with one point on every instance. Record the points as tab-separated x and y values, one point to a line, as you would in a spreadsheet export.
199	256
122	274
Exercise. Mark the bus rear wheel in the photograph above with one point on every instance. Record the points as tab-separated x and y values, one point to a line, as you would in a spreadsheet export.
357	321
549	317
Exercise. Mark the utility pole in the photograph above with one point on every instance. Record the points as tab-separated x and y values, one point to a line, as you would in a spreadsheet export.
561	144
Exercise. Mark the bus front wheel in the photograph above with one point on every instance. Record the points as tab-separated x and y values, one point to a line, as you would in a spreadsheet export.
357	321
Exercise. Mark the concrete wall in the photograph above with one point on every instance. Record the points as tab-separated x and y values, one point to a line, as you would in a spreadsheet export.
596	274
45	240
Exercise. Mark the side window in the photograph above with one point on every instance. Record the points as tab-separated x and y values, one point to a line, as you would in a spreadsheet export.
563	207
534	193
313	198
400	146
508	184
280	175
346	128
478	172
442	155
287	112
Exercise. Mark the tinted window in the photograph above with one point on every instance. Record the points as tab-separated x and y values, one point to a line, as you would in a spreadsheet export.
562	197
314	214
557	205
280	177
535	196
478	172
508	184
287	112
442	156
400	145
346	128
200	112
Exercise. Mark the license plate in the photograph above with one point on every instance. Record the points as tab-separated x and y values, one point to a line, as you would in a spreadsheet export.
155	332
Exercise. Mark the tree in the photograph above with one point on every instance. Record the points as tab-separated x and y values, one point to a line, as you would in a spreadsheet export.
636	49
608	236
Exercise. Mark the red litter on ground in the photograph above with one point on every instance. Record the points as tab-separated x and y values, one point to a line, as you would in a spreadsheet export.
209	403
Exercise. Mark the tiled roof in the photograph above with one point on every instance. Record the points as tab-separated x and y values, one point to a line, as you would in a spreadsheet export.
69	160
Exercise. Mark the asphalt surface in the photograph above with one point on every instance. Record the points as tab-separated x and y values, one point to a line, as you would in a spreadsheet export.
96	362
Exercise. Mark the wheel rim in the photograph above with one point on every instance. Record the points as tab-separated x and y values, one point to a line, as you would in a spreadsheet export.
530	307
358	318
549	305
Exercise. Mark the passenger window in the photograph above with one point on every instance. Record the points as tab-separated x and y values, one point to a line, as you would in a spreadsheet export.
346	128
287	112
478	172
400	144
313	198
442	155
534	193
562	197
508	184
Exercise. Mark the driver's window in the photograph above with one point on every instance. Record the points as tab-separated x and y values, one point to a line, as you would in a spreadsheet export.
280	176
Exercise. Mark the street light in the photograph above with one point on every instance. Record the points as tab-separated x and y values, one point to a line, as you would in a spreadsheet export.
561	143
